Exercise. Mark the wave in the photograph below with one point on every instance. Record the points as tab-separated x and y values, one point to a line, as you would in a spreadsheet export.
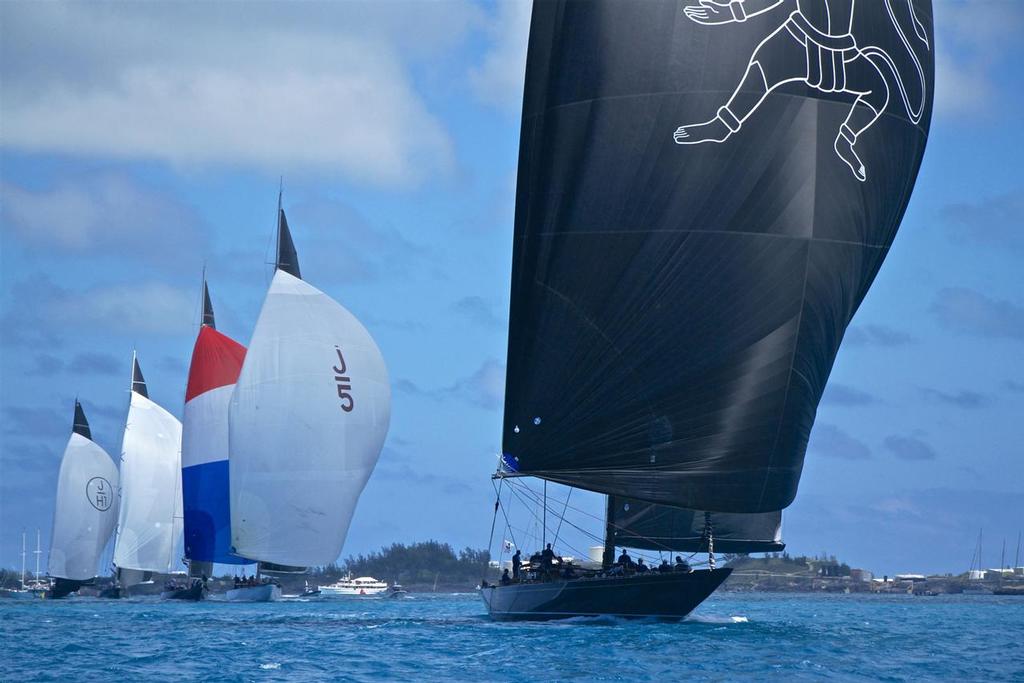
716	619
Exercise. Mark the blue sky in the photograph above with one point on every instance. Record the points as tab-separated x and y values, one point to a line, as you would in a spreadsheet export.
140	141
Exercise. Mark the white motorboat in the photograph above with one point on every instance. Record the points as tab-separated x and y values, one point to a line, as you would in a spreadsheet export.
364	585
267	592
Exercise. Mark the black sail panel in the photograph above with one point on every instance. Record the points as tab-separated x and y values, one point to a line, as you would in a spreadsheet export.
287	257
80	424
678	302
636	524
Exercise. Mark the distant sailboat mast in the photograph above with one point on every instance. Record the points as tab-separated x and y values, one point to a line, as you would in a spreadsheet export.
23	553
38	552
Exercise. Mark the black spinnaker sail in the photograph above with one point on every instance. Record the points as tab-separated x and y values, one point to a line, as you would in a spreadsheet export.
636	524
703	201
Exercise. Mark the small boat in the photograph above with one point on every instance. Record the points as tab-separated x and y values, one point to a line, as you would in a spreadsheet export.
363	586
265	592
310	591
396	591
35	588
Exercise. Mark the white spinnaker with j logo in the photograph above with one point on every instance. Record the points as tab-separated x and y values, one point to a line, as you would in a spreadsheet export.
307	421
86	510
150	523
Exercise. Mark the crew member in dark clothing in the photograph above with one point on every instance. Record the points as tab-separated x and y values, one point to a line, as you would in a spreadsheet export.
624	559
505	579
547	557
664	567
517	562
681	564
641	568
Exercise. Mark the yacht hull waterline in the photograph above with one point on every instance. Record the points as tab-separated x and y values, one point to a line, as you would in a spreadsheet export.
193	593
268	592
651	596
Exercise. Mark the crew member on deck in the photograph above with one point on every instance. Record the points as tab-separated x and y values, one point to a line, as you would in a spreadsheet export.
624	559
681	564
641	568
517	562
664	567
547	557
505	578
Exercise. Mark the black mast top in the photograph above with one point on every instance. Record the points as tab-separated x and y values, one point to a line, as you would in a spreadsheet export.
287	259
81	425
208	320
138	381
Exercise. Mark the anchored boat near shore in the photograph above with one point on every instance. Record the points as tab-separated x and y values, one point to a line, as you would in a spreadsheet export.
364	585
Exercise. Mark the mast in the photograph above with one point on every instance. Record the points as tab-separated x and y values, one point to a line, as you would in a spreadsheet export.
277	231
608	558
709	533
1016	558
23	559
544	533
38	552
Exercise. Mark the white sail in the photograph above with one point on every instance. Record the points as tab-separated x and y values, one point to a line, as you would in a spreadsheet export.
307	421
149	523
86	510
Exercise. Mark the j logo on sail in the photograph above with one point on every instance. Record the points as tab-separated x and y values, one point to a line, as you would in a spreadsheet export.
98	492
815	45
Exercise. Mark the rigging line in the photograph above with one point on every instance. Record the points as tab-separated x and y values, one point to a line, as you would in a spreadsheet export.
562	517
494	520
508	524
588	514
535	517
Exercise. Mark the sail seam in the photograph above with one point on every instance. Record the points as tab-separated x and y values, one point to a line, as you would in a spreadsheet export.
887	114
744	233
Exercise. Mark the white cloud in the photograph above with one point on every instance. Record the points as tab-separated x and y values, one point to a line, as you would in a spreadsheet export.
103	213
277	87
972	40
498	80
44	314
150	307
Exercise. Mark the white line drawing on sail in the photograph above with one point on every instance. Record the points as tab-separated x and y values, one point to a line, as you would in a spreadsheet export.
799	50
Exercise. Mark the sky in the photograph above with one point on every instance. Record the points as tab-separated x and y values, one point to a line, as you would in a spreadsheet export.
140	142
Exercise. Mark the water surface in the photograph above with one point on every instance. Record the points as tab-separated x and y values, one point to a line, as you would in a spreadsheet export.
447	637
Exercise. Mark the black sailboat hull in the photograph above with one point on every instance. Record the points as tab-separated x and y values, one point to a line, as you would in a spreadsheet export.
65	587
194	593
660	596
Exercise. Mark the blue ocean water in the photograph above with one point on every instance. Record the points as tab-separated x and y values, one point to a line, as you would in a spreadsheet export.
447	637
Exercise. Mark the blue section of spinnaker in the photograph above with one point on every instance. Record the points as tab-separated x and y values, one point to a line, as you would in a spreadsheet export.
208	513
